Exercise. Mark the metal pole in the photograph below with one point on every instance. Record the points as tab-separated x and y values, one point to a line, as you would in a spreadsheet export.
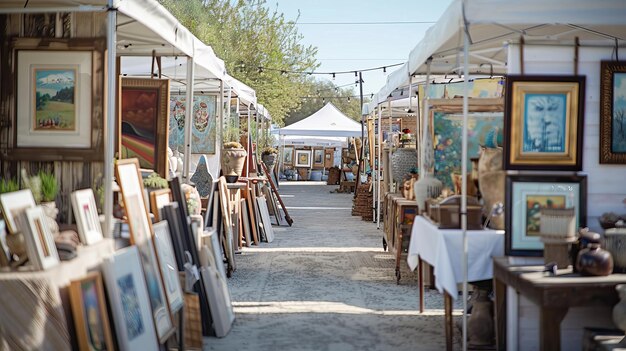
464	184
220	118
378	172
248	141
109	129
188	119
391	182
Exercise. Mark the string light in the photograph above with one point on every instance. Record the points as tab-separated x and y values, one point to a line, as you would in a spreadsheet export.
333	74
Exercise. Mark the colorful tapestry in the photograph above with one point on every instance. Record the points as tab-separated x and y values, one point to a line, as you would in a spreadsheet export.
203	127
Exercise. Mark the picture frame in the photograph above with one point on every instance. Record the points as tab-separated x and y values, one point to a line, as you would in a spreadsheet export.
143	122
12	204
86	213
303	158
140	227
218	294
486	121
167	264
203	128
89	310
129	301
158	199
5	253
53	92
227	225
288	155
188	242
40	247
266	221
612	112
543	122
525	195
318	157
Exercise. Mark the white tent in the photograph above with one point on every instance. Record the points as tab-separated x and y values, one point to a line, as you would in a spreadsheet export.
327	121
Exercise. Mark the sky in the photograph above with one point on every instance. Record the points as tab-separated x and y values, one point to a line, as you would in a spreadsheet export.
360	46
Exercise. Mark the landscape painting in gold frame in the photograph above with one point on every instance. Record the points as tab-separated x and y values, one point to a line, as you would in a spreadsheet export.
543	122
613	112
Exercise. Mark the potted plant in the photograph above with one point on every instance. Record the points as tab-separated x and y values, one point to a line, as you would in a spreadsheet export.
233	154
8	186
268	156
45	189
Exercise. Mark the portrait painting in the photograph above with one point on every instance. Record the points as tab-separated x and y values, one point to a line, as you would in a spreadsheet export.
613	112
543	122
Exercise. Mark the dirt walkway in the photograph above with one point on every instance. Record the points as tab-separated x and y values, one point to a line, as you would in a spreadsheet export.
326	284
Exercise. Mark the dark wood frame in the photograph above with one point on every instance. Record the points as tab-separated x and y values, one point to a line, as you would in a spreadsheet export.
513	160
161	164
98	70
318	164
539	178
607	73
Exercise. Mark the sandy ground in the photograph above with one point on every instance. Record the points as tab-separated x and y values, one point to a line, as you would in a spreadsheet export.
326	284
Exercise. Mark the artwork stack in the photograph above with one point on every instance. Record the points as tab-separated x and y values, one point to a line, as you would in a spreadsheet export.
363	203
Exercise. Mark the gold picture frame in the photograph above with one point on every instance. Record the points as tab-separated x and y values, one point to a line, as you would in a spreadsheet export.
158	199
543	122
91	321
143	122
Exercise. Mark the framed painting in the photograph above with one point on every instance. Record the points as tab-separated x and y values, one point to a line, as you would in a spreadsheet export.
485	126
169	271
91	321
526	195
288	155
543	122
129	300
203	128
86	213
5	253
318	158
42	253
143	122
613	112
303	158
12	205
158	199
129	179
54	99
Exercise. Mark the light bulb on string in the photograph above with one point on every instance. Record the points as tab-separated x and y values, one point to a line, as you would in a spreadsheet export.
333	76
348	99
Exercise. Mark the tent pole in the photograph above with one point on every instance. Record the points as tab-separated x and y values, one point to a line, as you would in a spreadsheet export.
378	172
109	130
464	184
248	141
188	119
390	185
220	118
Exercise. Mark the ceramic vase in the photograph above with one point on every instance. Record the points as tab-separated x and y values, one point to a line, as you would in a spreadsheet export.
233	161
402	161
592	260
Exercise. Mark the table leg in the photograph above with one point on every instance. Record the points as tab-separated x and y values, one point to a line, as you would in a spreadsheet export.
447	301
398	246
420	282
499	289
550	327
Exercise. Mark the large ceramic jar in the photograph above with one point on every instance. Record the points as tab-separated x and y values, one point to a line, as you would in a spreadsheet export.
593	260
402	161
269	160
233	161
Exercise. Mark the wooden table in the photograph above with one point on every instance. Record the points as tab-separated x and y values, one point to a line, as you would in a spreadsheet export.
553	294
404	214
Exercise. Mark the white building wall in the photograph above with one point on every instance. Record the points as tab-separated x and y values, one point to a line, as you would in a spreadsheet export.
606	188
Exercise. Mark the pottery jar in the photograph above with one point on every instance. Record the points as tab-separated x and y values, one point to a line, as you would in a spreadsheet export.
593	260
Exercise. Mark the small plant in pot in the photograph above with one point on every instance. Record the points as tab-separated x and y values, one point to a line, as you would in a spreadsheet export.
268	156
233	154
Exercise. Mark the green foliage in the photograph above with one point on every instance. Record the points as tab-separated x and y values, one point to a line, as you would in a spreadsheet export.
232	134
49	186
155	181
247	34
34	184
8	186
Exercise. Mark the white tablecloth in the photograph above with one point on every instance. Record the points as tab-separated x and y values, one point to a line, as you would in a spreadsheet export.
443	249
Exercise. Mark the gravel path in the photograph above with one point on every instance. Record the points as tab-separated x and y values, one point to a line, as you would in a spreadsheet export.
326	284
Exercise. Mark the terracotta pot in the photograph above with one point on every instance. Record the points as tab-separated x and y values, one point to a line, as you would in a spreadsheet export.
233	161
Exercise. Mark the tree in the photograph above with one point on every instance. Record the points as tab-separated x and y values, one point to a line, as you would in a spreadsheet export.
249	36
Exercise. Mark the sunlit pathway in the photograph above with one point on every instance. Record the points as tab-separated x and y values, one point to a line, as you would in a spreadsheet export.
326	284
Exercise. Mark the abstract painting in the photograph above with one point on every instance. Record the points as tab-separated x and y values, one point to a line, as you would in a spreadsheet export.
203	130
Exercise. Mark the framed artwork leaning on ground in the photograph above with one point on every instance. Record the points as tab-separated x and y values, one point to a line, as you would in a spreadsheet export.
613	112
543	122
91	320
526	195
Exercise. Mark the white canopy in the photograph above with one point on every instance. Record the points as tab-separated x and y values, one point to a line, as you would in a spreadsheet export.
492	24
327	121
314	141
